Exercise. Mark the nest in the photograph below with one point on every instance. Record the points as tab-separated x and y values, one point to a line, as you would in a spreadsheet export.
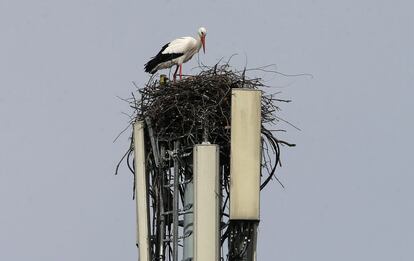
196	109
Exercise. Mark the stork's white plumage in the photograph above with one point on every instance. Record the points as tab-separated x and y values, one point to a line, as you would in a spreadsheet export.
177	52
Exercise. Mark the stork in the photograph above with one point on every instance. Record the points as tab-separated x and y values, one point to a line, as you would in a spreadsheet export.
177	52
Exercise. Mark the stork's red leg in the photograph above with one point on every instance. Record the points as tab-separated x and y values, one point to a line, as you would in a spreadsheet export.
175	73
181	71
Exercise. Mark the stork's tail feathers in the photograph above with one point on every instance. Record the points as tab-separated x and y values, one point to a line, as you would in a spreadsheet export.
150	66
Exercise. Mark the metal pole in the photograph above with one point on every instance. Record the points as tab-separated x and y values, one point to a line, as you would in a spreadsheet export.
141	192
175	201
188	253
161	232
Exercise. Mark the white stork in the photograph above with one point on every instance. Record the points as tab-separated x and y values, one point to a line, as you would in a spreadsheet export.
177	52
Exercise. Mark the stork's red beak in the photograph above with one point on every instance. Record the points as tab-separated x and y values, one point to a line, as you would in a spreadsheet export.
203	42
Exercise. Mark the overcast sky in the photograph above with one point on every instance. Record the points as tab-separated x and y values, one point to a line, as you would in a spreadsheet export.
349	182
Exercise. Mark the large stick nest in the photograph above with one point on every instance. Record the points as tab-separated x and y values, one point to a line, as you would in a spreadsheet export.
198	108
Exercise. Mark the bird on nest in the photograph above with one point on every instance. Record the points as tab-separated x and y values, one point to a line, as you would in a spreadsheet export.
177	52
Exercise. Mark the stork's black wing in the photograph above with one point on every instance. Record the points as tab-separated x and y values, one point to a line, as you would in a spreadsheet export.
160	58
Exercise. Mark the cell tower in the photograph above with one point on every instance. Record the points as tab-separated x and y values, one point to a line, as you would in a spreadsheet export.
201	154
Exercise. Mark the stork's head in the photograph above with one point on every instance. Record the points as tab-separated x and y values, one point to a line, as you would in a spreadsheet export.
202	32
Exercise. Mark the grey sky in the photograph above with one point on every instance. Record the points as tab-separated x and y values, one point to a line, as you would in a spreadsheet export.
349	181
